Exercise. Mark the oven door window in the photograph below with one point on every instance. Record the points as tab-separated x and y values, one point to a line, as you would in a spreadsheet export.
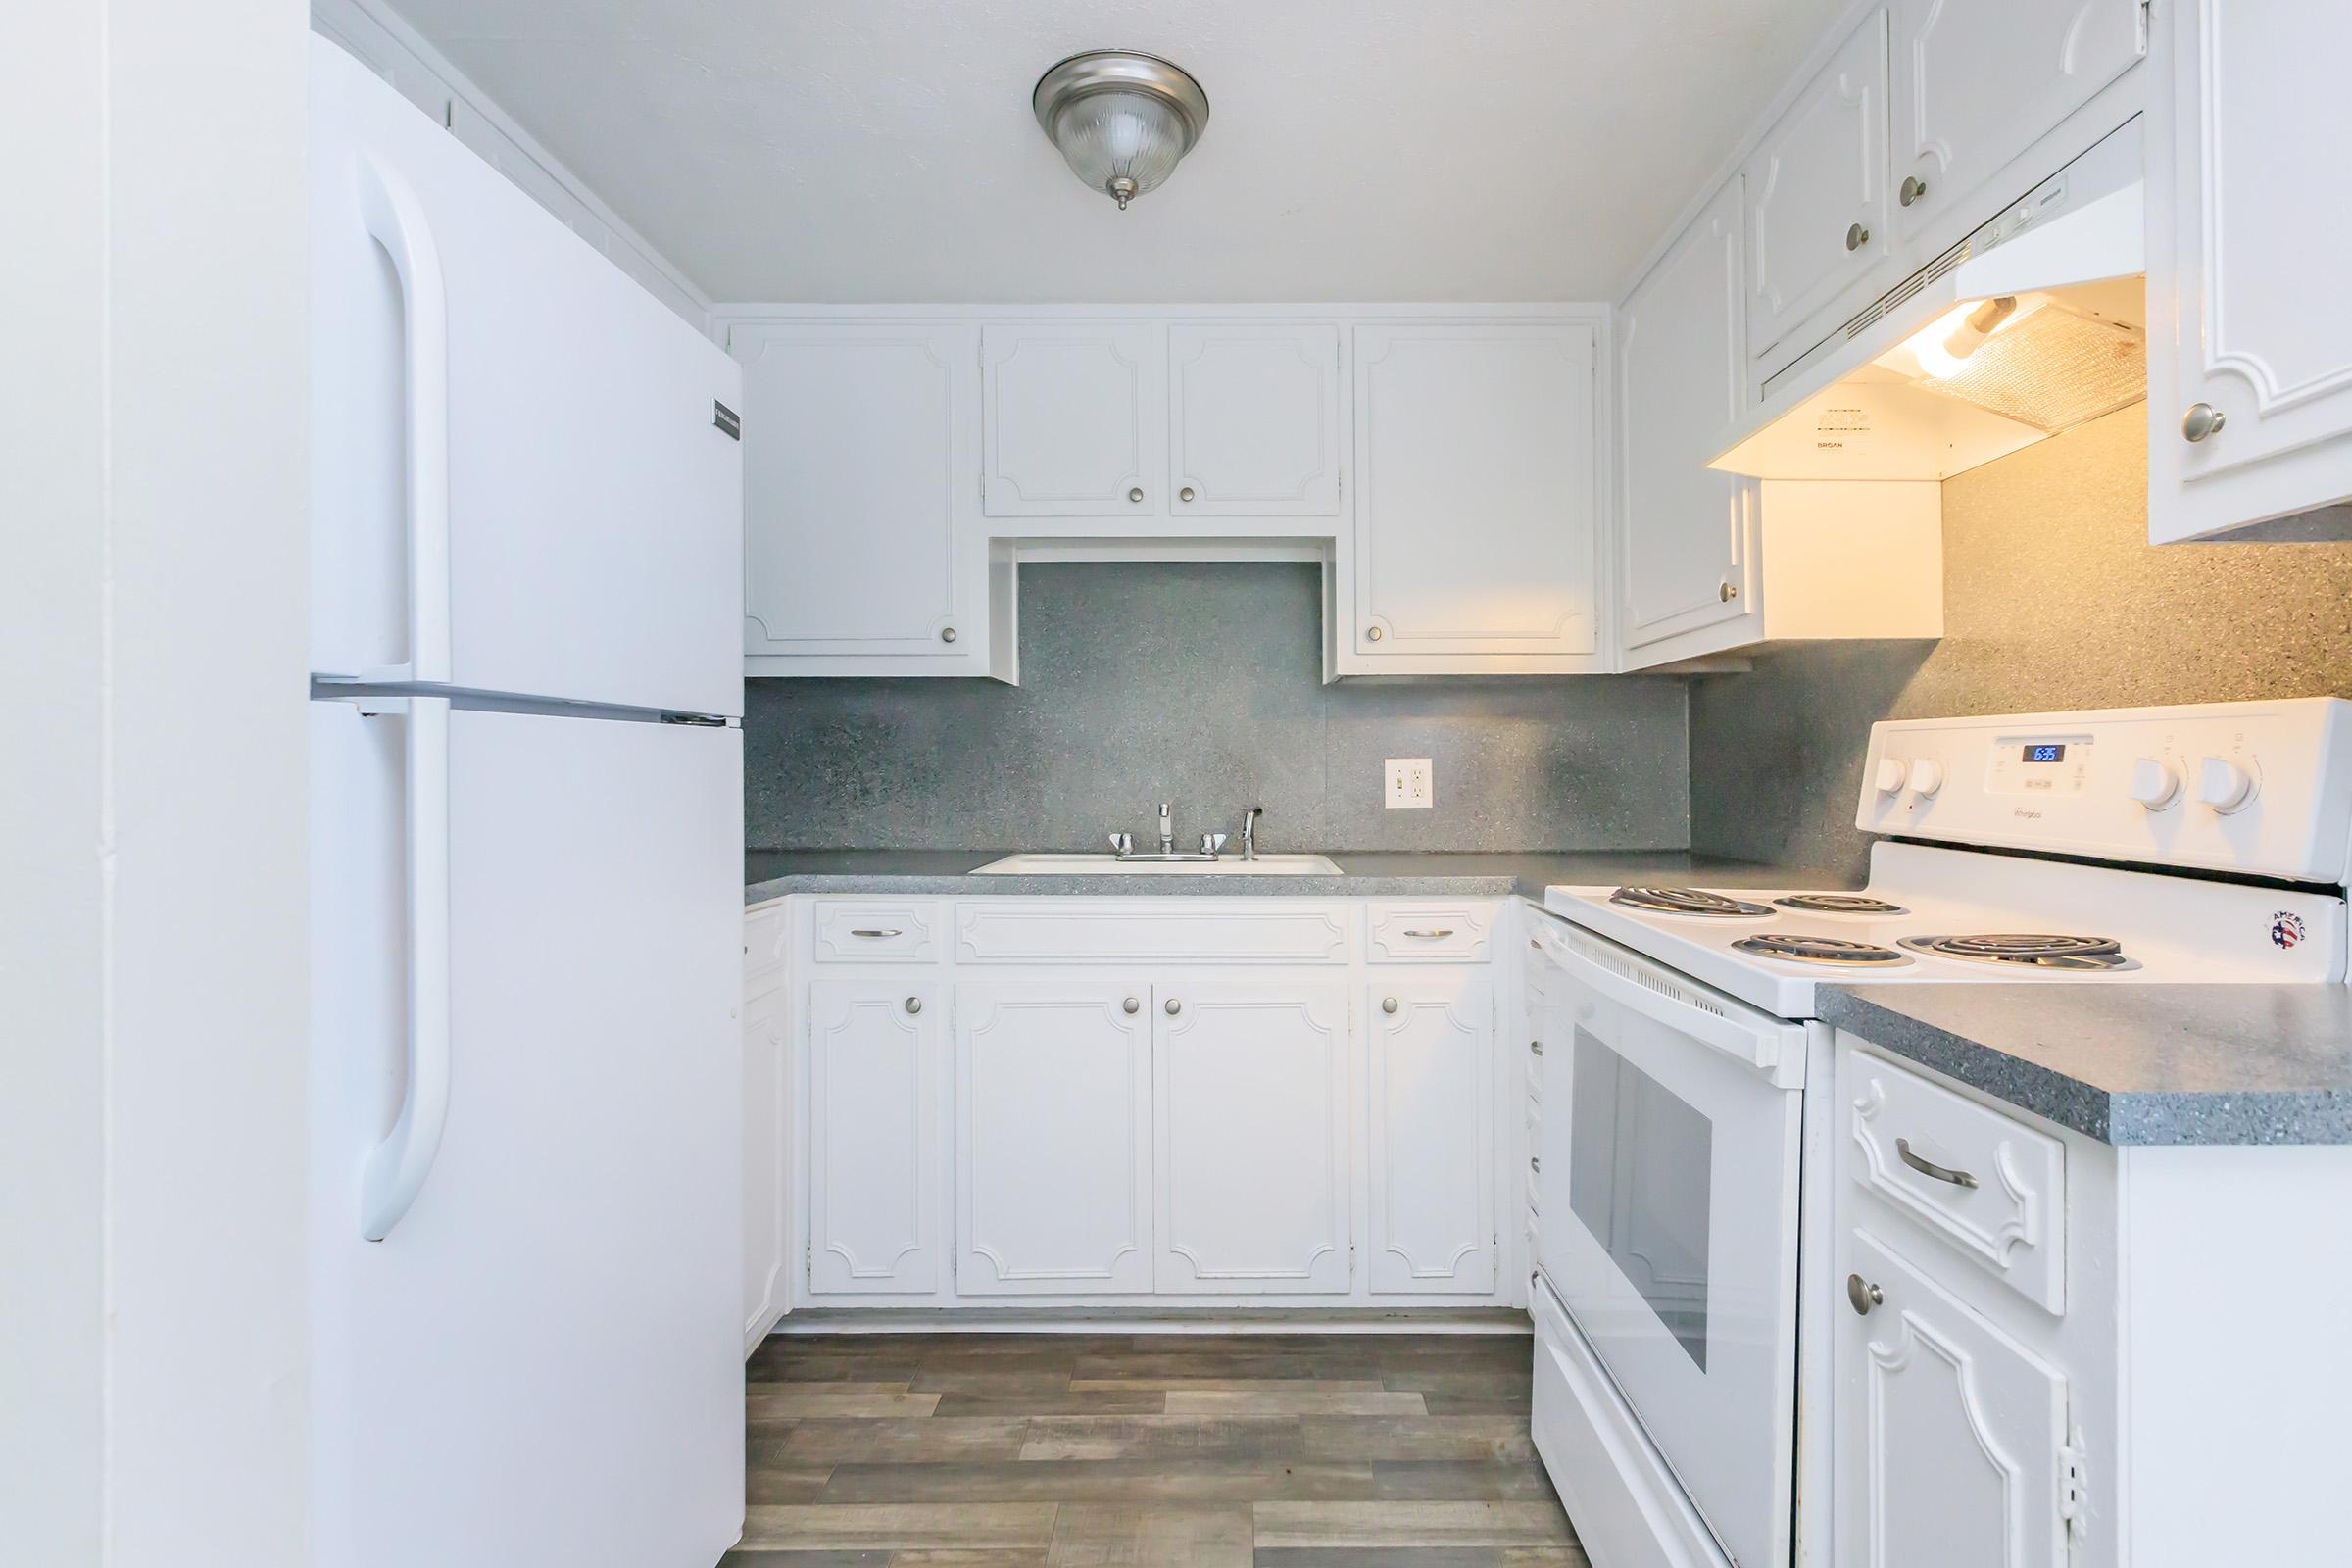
1640	1166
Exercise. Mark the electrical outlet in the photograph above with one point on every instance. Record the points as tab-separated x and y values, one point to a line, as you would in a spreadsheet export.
1412	784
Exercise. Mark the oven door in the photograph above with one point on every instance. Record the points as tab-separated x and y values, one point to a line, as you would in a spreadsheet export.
1668	1188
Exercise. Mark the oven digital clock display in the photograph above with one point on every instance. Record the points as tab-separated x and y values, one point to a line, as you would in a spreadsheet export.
2045	752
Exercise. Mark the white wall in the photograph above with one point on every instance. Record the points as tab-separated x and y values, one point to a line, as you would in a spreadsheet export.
152	688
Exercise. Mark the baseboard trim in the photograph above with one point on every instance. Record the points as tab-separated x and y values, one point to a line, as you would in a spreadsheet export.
1162	1320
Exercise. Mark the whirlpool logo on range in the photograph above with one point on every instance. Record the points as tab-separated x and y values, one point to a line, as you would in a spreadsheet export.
2286	929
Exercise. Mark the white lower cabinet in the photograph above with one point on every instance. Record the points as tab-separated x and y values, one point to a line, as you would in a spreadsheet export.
1251	1089
1431	1062
1053	1137
766	1238
874	1147
1950	1436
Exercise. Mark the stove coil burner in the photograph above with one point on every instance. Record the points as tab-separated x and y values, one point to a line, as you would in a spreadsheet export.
1835	951
1687	901
1840	904
2030	951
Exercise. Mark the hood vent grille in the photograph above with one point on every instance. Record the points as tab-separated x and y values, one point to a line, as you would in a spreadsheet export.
2053	370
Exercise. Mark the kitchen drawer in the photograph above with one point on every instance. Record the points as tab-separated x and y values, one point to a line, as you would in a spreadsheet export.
877	931
765	930
1428	933
1980	1180
1062	931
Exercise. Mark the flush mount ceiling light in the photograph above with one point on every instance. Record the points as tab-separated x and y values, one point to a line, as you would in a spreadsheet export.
1122	120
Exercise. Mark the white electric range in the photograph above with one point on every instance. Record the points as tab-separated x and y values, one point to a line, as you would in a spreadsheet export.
1674	1369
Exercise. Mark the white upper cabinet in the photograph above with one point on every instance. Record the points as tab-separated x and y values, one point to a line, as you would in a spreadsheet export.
1978	81
1816	197
1432	1054
1251	1136
1472	546
1681	362
1072	414
2250	322
1053	1137
860	443
1255	414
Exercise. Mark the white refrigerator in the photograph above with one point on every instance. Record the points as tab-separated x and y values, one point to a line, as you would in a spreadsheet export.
526	907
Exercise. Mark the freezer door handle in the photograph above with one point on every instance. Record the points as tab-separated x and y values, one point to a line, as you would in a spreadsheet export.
396	1168
396	220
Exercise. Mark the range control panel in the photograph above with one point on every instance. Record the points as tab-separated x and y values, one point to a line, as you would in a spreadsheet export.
2260	788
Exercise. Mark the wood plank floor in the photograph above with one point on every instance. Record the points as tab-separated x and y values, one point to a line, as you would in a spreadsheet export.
1108	1450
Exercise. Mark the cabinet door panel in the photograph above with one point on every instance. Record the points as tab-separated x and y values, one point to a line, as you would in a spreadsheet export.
2240	321
1251	1136
1071	410
874	1076
1979	81
1947	1433
766	1111
1474	500
1433	1149
1819	175
858	449
1682	355
1253	421
1053	1137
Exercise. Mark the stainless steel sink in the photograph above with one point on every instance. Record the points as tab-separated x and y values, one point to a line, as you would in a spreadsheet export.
1138	866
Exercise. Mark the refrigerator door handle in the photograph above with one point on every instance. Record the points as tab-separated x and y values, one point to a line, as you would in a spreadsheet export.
395	218
396	1168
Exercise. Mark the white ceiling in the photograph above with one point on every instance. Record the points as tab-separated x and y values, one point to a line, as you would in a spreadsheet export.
1358	149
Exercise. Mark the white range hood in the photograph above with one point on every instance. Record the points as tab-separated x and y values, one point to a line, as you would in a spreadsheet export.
2035	324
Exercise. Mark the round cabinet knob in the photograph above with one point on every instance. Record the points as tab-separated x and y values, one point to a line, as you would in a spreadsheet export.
1173	1006
2201	421
1891	775
1132	1006
946	634
1926	777
1863	1295
1185	494
914	1004
1388	1005
1136	494
1726	592
2154	784
1913	189
1373	634
2223	785
1856	237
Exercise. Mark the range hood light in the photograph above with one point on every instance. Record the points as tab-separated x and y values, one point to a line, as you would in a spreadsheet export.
1946	347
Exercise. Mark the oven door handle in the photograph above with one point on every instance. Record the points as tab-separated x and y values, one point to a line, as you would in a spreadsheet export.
1777	1051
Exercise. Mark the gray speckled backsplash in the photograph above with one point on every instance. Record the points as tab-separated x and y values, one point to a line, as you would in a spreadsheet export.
2053	599
1200	683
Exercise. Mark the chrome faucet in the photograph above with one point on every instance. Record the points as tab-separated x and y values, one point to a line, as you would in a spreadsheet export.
1167	830
1250	816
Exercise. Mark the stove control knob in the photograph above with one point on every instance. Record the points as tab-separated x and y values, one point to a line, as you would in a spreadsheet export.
1891	775
2154	784
1926	777
2223	785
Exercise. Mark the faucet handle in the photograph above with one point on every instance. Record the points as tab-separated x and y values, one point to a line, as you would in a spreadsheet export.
1122	844
1212	843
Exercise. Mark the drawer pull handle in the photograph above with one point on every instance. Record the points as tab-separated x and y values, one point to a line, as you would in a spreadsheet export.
878	933
1535	1165
1927	1167
1863	1295
1536	1046
1438	934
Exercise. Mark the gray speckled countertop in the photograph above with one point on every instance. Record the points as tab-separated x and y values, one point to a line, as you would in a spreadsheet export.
1375	873
2131	1063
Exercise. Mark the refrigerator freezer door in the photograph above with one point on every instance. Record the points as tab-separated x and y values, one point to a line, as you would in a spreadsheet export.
516	454
541	1361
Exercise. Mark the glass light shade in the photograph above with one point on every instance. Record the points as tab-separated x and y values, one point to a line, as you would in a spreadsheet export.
1122	143
1121	119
